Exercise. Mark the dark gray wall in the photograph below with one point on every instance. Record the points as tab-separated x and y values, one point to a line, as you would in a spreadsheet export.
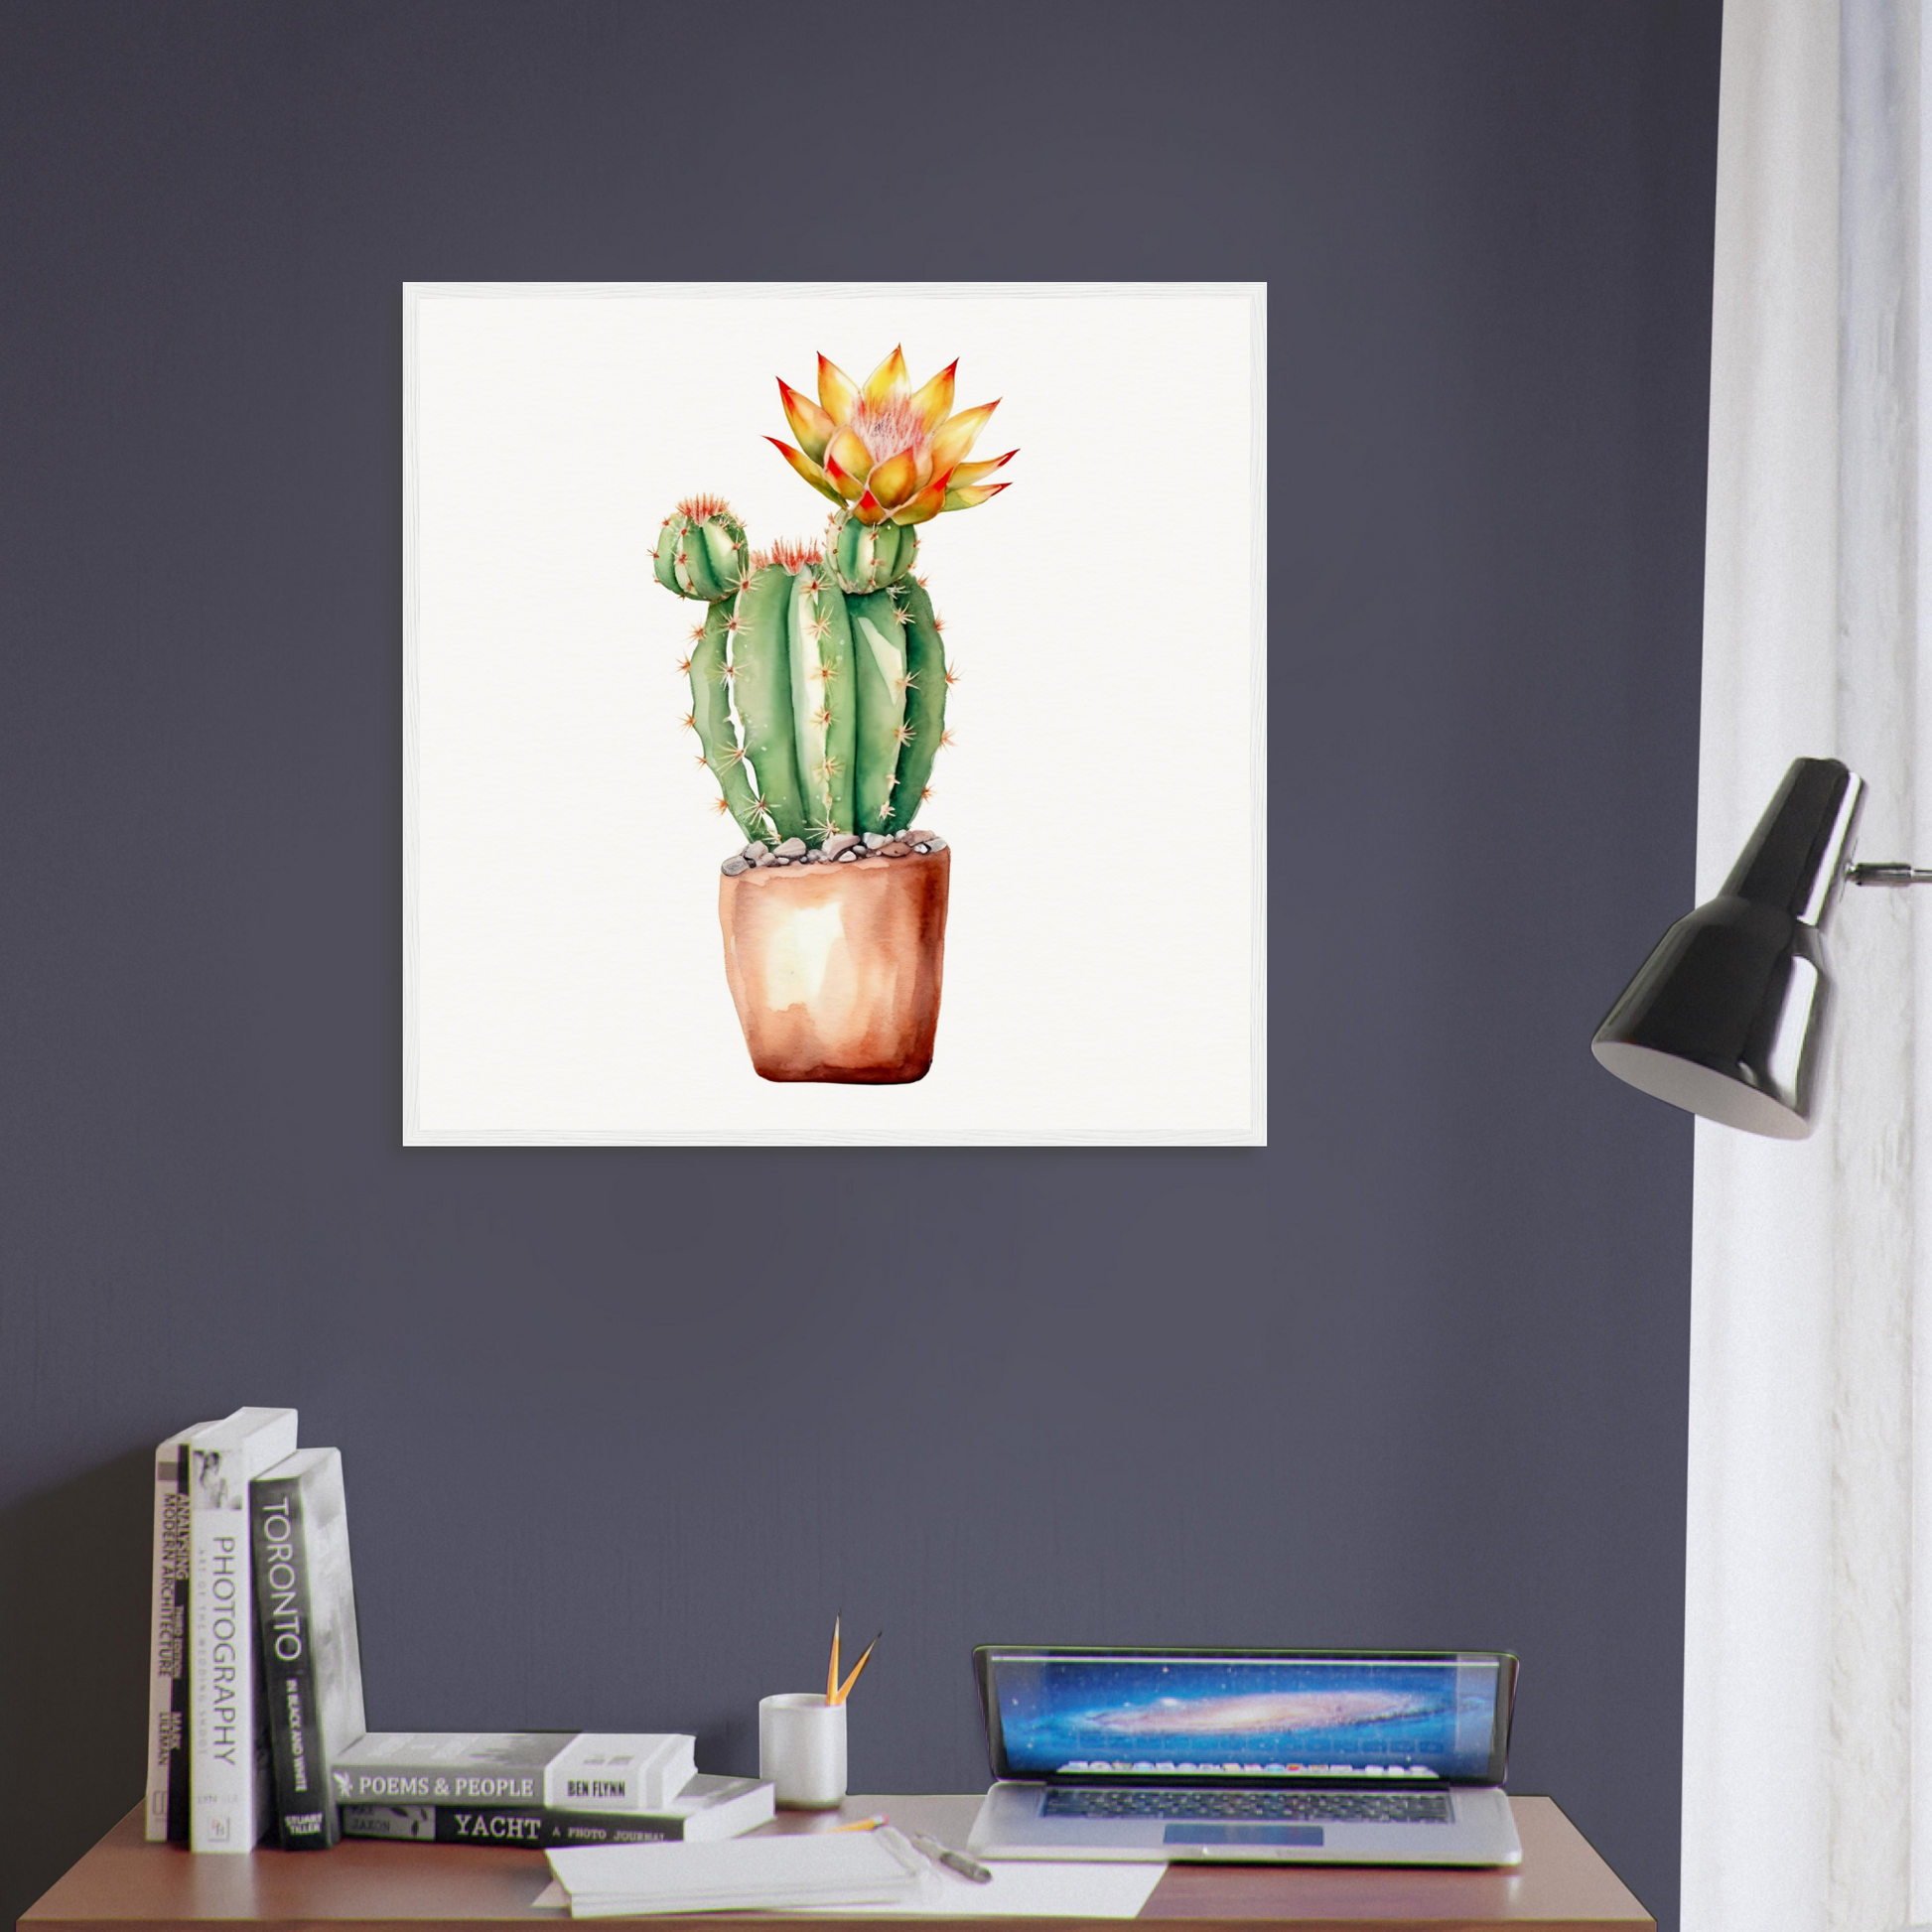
624	1428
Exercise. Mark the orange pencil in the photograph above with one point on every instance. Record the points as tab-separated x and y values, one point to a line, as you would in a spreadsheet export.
845	1689
832	1670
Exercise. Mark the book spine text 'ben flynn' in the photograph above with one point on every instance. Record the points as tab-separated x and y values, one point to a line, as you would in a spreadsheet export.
228	1749
166	1810
305	1604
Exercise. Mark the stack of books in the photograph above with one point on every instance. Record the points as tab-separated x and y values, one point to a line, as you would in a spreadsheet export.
539	1788
256	1724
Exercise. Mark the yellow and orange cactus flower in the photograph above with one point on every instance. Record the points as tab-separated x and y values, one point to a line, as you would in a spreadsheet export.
888	450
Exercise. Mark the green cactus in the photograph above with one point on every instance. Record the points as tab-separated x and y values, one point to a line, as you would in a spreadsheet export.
926	678
841	700
869	556
760	661
711	719
879	652
828	658
824	702
701	550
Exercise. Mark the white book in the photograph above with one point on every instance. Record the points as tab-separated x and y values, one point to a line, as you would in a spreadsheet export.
583	1771
228	1764
614	1771
167	1795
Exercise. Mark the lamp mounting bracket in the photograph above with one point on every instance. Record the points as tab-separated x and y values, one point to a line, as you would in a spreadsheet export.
1889	872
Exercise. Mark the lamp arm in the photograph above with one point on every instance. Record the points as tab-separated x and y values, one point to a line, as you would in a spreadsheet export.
1889	872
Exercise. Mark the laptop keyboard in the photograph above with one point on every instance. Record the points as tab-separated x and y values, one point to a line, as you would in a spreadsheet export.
1328	1806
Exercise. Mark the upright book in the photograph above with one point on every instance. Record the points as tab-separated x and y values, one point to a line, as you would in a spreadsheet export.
166	1809
229	1780
311	1663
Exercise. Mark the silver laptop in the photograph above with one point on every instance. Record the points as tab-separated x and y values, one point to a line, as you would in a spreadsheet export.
1275	1756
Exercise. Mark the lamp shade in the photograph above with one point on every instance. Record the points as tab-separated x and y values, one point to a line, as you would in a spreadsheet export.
1726	1017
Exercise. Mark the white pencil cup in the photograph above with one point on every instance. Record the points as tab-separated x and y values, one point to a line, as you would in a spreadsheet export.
801	1750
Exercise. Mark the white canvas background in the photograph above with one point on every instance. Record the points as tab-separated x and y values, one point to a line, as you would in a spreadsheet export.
565	979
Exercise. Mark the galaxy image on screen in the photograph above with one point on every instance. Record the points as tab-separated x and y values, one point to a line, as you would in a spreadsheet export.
1368	1718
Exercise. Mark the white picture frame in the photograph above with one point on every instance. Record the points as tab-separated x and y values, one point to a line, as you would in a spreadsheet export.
1106	805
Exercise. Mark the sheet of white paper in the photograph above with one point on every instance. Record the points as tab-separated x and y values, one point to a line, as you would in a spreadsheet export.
1023	1889
1036	1888
779	1873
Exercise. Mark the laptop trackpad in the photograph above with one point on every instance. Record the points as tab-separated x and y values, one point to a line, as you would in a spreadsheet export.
1243	1835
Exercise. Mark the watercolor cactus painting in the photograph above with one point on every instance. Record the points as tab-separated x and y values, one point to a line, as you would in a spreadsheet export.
818	683
1073	962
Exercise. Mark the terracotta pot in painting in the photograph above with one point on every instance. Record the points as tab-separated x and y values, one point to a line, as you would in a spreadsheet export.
835	969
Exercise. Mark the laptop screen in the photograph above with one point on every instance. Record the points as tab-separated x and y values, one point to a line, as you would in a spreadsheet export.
1204	1716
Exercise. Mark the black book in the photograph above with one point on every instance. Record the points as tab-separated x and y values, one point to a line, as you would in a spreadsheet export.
706	1808
305	1606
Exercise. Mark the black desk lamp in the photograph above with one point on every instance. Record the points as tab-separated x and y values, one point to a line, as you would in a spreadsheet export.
1726	1016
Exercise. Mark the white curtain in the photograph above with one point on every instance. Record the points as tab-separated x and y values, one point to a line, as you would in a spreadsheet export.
1807	1666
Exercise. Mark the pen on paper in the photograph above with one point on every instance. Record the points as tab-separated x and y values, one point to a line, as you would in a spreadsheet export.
930	1846
946	1856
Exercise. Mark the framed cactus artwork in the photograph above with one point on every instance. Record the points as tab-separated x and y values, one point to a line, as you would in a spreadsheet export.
834	714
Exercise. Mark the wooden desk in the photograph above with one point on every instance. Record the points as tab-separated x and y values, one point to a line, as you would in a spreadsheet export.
369	1885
